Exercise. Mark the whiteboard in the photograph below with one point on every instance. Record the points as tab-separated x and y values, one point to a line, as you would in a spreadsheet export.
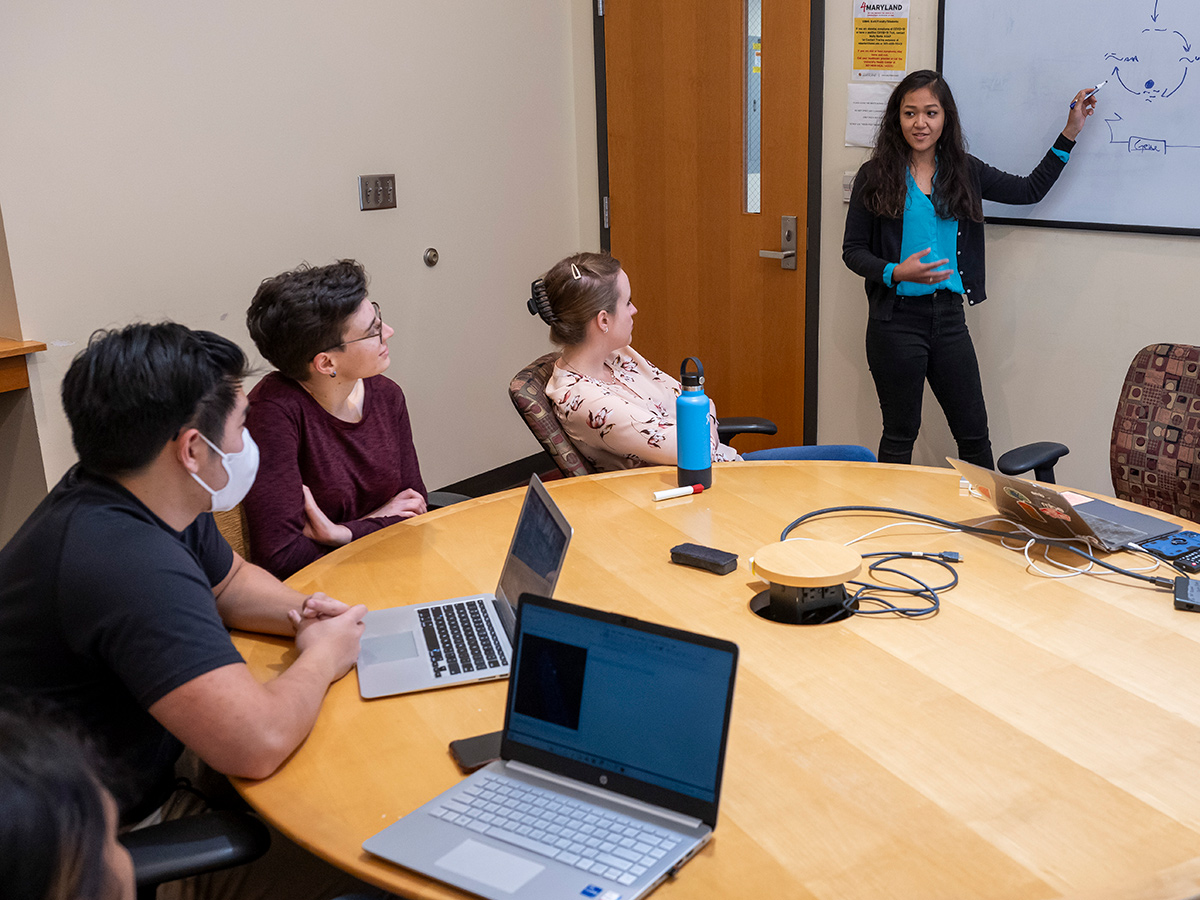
1014	66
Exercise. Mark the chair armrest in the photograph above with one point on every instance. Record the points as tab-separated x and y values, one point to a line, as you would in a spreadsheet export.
194	845
1039	457
731	426
438	499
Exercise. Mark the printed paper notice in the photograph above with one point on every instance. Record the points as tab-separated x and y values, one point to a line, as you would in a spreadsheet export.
880	39
865	104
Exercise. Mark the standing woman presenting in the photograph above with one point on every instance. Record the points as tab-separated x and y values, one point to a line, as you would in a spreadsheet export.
916	206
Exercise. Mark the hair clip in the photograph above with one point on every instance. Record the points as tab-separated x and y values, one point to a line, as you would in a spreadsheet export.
538	303
575	272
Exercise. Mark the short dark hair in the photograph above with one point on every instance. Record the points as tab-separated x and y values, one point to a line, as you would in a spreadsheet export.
52	820
131	390
575	301
303	312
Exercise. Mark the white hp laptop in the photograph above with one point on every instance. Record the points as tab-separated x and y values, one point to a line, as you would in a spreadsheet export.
610	770
449	642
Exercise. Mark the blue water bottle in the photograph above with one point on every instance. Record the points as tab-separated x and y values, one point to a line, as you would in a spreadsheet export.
691	420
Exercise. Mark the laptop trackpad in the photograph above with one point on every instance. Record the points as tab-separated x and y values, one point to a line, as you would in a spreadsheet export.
387	648
495	868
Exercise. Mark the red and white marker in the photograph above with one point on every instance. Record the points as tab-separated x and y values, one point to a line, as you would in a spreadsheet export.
679	492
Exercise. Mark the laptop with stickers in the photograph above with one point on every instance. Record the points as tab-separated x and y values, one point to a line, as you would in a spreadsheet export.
1062	515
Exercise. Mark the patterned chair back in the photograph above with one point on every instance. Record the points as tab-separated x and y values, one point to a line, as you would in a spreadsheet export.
528	392
1157	429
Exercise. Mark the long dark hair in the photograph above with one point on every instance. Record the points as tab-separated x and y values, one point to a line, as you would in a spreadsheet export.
887	186
52	821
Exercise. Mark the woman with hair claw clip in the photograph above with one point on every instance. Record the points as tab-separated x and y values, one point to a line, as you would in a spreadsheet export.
617	408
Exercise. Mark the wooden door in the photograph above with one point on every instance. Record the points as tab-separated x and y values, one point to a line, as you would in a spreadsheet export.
676	71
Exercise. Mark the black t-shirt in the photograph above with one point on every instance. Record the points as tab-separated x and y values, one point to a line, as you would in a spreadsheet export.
105	609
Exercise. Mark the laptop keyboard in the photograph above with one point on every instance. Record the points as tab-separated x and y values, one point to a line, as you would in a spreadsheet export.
590	838
460	638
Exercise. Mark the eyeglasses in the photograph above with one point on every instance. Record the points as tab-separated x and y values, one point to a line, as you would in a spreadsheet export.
375	332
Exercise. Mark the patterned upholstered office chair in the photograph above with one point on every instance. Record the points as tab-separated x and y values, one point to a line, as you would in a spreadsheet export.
527	390
1156	431
1155	434
528	393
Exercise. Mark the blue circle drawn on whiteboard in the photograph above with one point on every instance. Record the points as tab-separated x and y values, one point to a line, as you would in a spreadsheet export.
1156	65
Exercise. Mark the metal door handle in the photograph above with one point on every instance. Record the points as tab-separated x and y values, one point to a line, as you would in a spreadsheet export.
786	254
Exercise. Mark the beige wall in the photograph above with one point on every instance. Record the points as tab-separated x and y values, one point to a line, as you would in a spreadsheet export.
159	159
1066	310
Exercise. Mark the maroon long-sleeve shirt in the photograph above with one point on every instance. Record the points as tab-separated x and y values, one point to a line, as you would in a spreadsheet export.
351	468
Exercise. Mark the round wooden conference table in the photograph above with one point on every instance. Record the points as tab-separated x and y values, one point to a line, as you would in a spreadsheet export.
1036	738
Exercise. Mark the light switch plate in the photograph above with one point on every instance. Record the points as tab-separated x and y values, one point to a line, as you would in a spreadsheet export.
847	185
377	191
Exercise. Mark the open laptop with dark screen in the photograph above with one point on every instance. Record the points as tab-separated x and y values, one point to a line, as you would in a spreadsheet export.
610	771
465	639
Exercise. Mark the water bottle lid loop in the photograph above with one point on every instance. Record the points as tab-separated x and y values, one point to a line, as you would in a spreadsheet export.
692	381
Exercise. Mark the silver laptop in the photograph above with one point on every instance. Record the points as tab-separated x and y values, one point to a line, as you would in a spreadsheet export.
466	639
1046	511
610	770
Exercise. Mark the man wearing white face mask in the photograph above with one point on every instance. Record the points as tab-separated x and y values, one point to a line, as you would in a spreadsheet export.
117	592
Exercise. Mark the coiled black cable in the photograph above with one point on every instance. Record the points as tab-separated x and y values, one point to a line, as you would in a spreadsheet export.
1065	543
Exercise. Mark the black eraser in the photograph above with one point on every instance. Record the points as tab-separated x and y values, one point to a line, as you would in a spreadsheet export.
1187	594
721	562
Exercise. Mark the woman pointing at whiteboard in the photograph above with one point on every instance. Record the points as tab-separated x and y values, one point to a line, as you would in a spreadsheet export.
914	231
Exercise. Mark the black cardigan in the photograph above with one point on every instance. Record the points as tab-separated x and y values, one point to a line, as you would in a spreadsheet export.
871	242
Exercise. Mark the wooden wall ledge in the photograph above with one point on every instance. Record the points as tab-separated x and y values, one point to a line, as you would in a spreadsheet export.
14	375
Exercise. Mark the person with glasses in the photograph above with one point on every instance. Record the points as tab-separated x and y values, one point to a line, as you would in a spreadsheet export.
338	460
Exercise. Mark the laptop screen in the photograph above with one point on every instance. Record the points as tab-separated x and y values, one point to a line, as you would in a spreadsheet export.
619	700
539	547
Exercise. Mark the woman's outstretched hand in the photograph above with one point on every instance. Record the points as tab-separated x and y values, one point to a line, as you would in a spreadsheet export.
1083	106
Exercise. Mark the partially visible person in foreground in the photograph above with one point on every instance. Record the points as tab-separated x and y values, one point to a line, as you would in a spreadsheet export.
58	823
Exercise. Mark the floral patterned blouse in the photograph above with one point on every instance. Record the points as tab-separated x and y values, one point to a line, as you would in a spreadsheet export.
627	424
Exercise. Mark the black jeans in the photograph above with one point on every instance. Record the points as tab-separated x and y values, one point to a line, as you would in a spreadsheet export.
927	338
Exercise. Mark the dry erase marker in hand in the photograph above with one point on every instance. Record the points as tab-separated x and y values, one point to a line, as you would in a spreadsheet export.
679	491
1092	91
